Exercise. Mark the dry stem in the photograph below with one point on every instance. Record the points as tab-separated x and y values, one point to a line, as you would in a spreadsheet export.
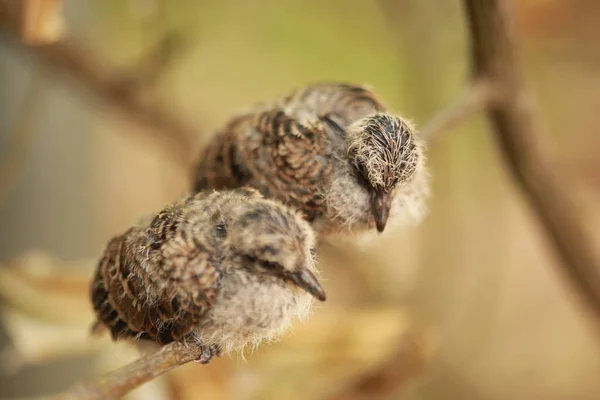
527	152
125	379
474	99
122	90
498	88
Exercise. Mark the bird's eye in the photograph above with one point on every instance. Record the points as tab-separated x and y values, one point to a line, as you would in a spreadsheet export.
269	265
313	252
360	175
221	230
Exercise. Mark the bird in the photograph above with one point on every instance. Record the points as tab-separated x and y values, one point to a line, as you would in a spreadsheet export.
331	150
218	269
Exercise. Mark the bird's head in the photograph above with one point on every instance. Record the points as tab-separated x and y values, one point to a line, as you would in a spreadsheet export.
385	155
273	240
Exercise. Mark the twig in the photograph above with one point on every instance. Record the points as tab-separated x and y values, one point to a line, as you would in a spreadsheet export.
530	158
115	90
13	157
125	379
473	100
152	66
121	91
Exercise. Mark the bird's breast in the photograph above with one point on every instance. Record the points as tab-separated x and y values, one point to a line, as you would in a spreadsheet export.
253	308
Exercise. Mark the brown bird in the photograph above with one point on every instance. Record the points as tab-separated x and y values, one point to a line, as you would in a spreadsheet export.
220	270
332	151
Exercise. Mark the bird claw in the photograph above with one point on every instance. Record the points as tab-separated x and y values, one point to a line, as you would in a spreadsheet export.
208	352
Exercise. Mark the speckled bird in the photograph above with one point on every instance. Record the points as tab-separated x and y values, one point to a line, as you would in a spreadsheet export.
221	270
333	151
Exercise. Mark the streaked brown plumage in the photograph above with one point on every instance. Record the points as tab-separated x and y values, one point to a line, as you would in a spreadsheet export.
330	150
221	269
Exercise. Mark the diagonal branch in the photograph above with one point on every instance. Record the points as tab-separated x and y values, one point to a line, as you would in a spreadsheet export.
114	89
122	90
473	100
528	155
152	66
125	379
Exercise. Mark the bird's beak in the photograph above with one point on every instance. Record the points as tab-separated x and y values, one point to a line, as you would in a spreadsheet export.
380	206
307	281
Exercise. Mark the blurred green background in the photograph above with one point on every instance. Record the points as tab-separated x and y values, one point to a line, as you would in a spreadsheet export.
477	274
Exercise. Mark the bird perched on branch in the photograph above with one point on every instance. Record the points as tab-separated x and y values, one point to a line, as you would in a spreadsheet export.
222	270
333	151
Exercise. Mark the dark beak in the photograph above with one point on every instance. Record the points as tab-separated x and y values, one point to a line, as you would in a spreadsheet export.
380	205
307	281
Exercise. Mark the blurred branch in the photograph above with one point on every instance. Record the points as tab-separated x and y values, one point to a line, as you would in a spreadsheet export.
497	87
13	157
125	379
474	99
153	65
530	158
123	90
123	93
43	287
44	311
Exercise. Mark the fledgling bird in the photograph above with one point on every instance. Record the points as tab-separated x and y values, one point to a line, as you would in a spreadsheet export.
330	150
221	270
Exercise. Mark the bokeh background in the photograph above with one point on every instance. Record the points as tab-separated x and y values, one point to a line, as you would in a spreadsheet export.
467	306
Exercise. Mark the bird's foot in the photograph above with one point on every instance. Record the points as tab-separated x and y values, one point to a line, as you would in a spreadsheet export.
208	352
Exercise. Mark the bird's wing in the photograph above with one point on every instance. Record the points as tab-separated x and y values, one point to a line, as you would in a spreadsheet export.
109	294
155	283
345	103
288	159
282	156
221	165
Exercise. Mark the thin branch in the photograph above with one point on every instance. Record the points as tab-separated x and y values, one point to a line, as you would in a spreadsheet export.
473	100
121	90
528	155
153	65
115	91
125	379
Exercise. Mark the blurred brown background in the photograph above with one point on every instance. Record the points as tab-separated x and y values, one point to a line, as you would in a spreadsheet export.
474	284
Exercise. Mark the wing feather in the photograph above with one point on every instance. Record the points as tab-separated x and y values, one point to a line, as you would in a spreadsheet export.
156	282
